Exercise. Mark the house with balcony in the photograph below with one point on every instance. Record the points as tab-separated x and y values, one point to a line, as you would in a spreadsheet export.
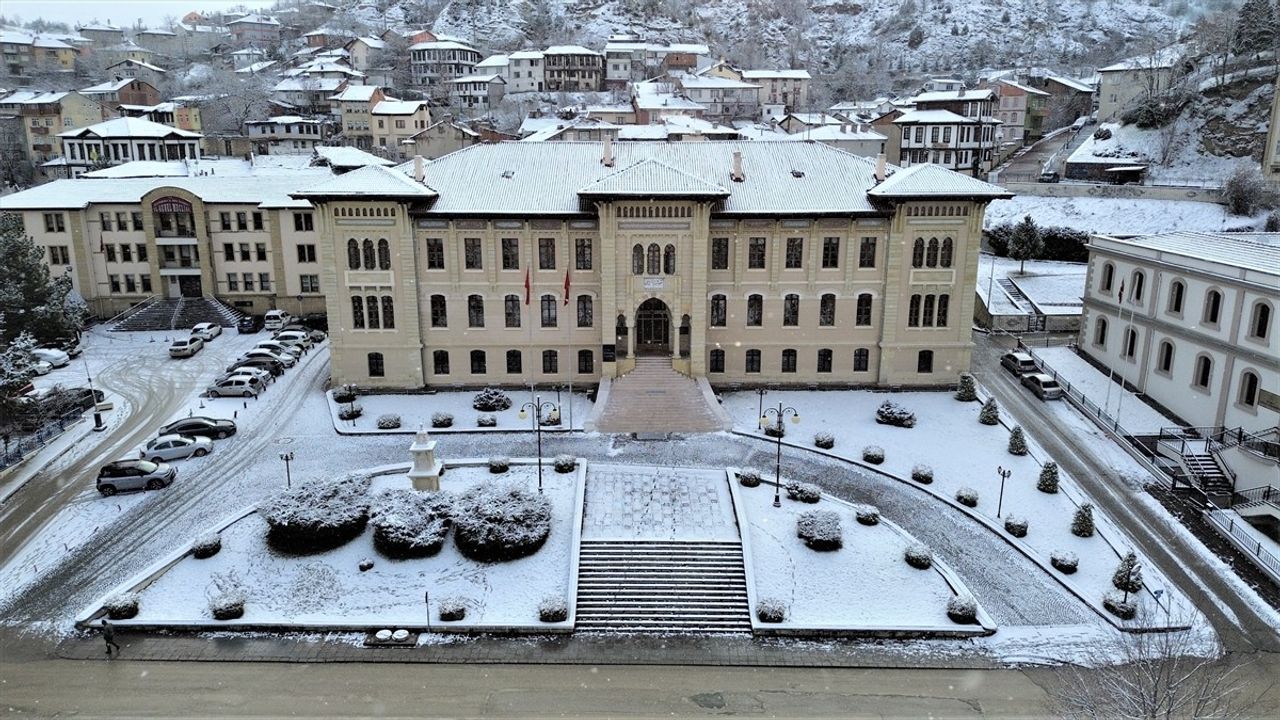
307	95
353	108
396	121
954	129
1022	110
627	60
725	99
476	91
573	68
173	114
287	134
126	139
435	62
781	87
45	114
123	91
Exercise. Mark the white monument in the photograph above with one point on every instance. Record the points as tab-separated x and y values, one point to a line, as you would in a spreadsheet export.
426	468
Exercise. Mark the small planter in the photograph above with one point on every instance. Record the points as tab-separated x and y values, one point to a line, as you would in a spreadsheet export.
122	606
564	463
486	421
441	420
1065	562
452	609
749	477
499	465
803	492
919	556
1016	526
553	609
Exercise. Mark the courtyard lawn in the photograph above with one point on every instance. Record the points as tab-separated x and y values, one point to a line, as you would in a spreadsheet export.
415	410
329	590
964	454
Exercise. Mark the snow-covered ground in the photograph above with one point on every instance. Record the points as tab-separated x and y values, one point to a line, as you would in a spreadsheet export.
1135	416
1118	216
415	410
1055	287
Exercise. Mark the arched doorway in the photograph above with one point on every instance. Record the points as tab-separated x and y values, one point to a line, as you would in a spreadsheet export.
653	328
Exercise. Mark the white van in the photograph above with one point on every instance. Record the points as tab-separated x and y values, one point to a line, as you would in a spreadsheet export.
275	319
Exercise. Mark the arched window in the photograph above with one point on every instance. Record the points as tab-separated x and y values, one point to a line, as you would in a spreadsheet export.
1108	277
439	311
913	312
924	361
1260	321
511	311
384	254
827	310
791	310
863	315
586	362
1164	357
376	366
550	362
515	362
1100	332
917	253
788	360
368	254
753	361
586	312
715	363
1212	307
861	360
948	253
931	254
371	307
388	313
1204	372
824	360
1139	284
353	254
1130	343
1248	389
357	312
944	304
755	310
1177	291
479	365
440	362
669	260
926	318
475	311
654	264
637	260
719	311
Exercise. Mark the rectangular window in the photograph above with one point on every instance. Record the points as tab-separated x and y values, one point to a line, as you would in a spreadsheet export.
306	253
225	220
478	362
546	253
582	254
475	311
242	221
515	362
58	255
586	362
137	221
244	252
867	253
111	253
795	253
53	222
260	250
510	253
142	252
439	311
310	283
105	220
471	254
233	282
114	282
146	283
126	253
830	252
550	362
435	254
228	252
303	222
548	305
440	362
247	278
755	253
753	361
122	221
791	310
720	253
130	284
264	282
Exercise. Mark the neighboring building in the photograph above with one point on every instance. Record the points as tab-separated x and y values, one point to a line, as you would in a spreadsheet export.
628	61
183	117
862	111
362	50
287	134
954	129
255	29
395	121
784	87
526	70
745	263
247	57
1195	330
1128	82
618	114
495	65
853	138
23	54
657	100
45	114
943	84
197	39
307	95
1068	99
1022	110
126	139
801	121
725	99
123	91
145	71
102	34
573	68
1271	153
353	107
437	61
476	91
162	42
127	50
441	138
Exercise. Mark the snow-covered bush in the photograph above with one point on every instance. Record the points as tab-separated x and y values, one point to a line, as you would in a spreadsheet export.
968	390
564	463
206	546
775	429
389	421
967	496
226	595
317	516
771	610
345	393
365	565
1128	574
803	492
350	412
824	440
1048	482
409	524
963	610
491	400
1117	605
499	465
990	413
918	556
553	608
867	514
820	529
749	477
1064	561
891	413
922	474
873	454
1082	522
441	420
122	606
452	609
500	521
1016	526
1017	441
486	420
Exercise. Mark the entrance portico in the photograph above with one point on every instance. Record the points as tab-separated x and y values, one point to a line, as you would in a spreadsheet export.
653	329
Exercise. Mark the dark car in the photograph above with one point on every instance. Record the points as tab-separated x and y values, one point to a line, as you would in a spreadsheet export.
79	397
250	324
134	475
1049	176
202	426
275	367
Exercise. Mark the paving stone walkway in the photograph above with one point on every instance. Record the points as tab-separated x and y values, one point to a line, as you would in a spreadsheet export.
638	502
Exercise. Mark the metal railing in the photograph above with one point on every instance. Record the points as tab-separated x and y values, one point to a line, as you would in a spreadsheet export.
1230	526
1267	494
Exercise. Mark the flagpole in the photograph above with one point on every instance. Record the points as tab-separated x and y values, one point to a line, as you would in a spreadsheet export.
528	299
1111	368
570	360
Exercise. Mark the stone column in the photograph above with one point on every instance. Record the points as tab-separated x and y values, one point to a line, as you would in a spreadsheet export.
427	468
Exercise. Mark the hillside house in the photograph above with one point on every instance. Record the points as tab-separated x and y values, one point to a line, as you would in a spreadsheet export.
573	68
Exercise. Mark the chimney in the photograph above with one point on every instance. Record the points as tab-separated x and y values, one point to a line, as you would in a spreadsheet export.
880	170
608	152
736	174
419	173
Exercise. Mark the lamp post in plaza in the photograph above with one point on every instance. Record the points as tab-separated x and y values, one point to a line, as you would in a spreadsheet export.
760	393
1004	475
287	457
779	413
538	407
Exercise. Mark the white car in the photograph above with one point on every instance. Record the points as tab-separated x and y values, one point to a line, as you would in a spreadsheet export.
262	376
285	359
294	337
206	331
41	367
55	357
185	347
236	385
276	319
176	447
280	348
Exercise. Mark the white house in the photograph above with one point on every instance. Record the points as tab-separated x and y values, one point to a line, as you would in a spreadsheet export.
124	140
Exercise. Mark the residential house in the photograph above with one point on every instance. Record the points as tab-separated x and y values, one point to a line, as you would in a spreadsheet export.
288	134
45	114
623	113
862	110
137	69
395	121
573	68
435	62
1068	99
1130	81
658	99
627	60
127	50
801	121
955	129
476	91
255	29
854	138
725	99
23	54
785	87
161	42
173	114
307	95
247	57
495	65
126	139
123	91
1022	110
527	71
353	108
197	38
102	34
362	51
441	138
943	84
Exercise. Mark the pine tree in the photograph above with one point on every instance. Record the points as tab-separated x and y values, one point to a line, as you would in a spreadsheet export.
1048	478
1082	522
1025	243
32	301
1256	27
990	414
968	390
1128	574
1017	441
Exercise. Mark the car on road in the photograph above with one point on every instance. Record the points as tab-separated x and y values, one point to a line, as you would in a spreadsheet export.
41	367
286	359
1018	363
249	324
81	398
176	447
1043	386
262	376
185	347
55	357
275	367
275	319
134	475
1049	176
236	386
200	426
206	331
280	348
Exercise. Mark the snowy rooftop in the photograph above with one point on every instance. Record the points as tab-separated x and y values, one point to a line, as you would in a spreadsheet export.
285	120
107	87
650	177
933	117
368	181
309	84
954	95
221	167
1073	84
494	61
775	74
838	132
1024	88
526	55
816	118
936	181
391	106
372	42
255	19
441	45
342	156
1163	58
138	63
266	190
357	93
714	82
256	67
1049	287
568	50
129	127
1249	251
477	79
1111	152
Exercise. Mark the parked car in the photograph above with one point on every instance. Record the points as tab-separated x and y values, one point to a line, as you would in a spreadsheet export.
134	475
275	367
41	367
286	359
176	447
317	336
206	331
275	319
280	348
250	324
294	338
55	357
236	385
1044	386
70	346
1049	176
81	398
201	426
263	376
185	347
1018	363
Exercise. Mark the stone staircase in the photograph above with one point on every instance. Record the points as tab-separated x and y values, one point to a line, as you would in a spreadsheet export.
654	398
1204	468
178	313
662	586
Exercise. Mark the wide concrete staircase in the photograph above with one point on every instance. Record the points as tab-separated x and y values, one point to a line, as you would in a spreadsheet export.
177	314
657	586
654	398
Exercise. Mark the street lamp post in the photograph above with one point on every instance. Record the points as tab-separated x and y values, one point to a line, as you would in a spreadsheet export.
779	413
287	457
93	396
760	393
1004	475
538	407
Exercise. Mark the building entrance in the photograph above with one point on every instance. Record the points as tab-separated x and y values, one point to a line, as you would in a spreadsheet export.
189	286
653	328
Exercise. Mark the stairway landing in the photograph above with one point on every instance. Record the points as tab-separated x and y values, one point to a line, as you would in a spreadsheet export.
654	398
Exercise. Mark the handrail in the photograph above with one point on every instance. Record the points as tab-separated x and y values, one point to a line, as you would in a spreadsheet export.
1267	494
132	309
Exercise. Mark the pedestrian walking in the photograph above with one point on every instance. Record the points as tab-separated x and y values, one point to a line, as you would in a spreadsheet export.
109	637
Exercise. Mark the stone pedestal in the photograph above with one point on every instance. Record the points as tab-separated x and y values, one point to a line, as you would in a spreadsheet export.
426	467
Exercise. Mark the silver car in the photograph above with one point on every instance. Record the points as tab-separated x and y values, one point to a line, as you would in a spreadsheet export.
134	475
176	447
236	386
280	348
1044	386
263	376
286	359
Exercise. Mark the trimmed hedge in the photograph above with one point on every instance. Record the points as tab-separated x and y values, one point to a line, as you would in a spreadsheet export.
820	530
350	412
968	390
1082	521
317	516
1064	561
499	465
345	394
803	492
486	421
749	477
452	609
122	606
389	421
409	524
491	400
771	610
552	609
922	474
441	420
1048	482
963	610
918	556
824	440
564	463
967	496
1016	526
500	521
1116	605
890	413
867	514
206	546
873	454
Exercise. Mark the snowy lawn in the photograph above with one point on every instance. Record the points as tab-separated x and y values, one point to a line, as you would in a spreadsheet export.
865	585
1118	216
1135	416
416	410
963	454
1056	287
329	589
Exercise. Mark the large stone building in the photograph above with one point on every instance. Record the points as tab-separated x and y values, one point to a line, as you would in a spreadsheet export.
787	263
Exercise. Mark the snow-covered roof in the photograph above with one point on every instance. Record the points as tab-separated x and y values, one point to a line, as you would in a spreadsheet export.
648	178
816	118
255	19
651	96
477	79
1162	58
550	132
34	97
1073	84
442	45
837	132
138	63
49	43
129	127
1024	88
319	68
107	87
156	31
373	42
313	84
668	48
267	190
342	156
568	50
643	132
929	180
250	52
357	93
775	74
256	67
1249	251
954	95
368	181
391	106
526	55
713	82
99	27
494	61
286	120
933	117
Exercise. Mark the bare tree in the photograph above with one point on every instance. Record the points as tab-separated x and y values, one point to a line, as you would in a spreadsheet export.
228	101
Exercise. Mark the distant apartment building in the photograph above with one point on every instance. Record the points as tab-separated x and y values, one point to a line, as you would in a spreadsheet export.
46	114
628	60
1128	82
725	99
526	71
287	134
22	54
362	50
434	62
395	121
123	91
573	68
145	71
781	87
954	129
161	42
476	91
102	34
1022	110
307	95
353	107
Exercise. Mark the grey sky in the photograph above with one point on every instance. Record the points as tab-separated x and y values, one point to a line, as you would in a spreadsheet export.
122	13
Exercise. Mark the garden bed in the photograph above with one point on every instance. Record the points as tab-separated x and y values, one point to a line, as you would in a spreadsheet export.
416	410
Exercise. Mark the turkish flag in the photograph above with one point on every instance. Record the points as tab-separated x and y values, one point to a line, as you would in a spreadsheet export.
528	287
566	286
